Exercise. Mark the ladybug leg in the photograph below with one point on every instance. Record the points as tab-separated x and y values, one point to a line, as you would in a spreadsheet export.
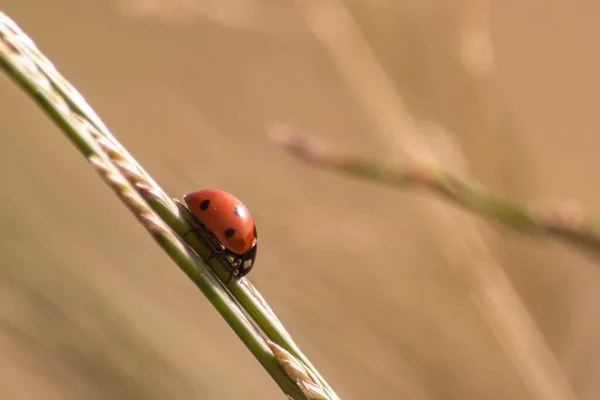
236	271
216	254
192	230
232	271
230	277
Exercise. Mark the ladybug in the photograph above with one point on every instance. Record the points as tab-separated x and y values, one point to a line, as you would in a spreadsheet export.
229	224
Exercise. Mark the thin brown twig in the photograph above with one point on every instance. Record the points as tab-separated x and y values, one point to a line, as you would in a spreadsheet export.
458	236
560	222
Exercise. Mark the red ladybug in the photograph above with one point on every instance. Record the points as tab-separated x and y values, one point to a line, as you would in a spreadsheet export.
229	224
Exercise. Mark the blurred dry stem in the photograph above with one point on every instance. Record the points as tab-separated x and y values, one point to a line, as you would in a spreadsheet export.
474	42
334	26
458	235
560	222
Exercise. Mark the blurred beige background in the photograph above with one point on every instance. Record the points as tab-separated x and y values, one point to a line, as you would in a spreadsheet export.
383	289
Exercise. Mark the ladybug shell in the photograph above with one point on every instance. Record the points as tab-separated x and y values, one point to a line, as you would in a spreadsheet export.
226	217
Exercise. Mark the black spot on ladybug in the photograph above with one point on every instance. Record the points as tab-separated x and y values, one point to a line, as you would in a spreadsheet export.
229	232
236	211
204	205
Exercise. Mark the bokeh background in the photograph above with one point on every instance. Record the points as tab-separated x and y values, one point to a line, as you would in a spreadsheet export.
393	294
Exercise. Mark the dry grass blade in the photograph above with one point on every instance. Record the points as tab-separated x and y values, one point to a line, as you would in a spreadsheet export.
492	292
558	222
25	64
